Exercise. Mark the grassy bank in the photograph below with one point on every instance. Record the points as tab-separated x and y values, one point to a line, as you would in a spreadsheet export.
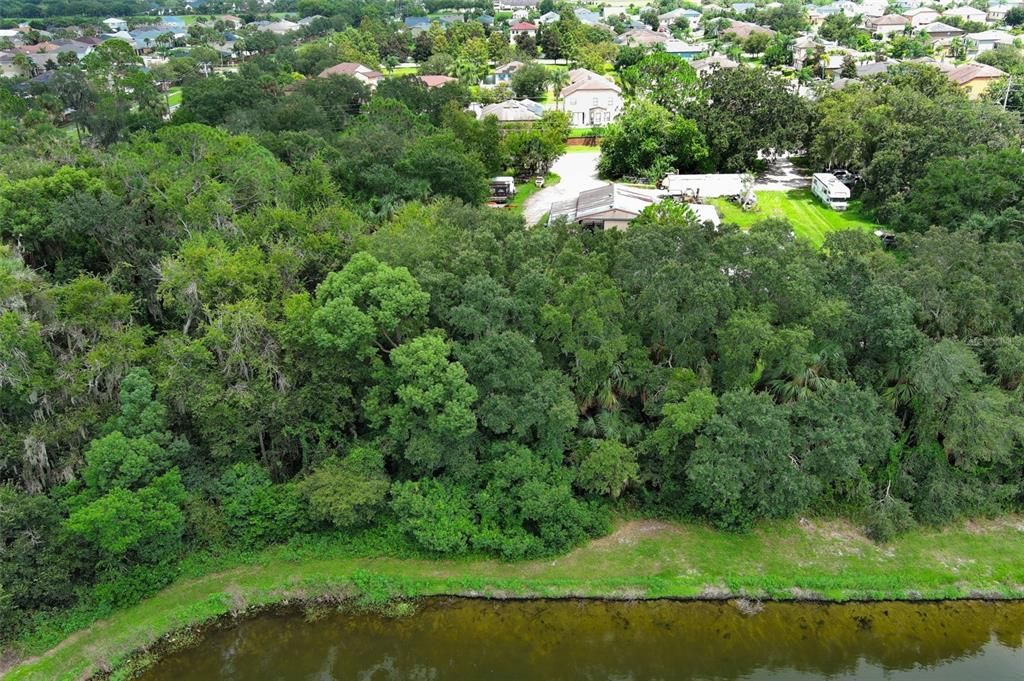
810	219
806	559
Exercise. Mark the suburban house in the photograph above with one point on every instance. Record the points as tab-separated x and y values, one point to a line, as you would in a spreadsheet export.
938	32
611	206
874	68
548	18
643	37
282	27
873	10
975	78
589	17
805	47
683	50
830	190
715	61
668	19
512	5
522	28
997	12
417	25
502	74
742	7
436	81
361	73
741	30
887	24
967	13
590	100
513	111
115	24
987	40
920	16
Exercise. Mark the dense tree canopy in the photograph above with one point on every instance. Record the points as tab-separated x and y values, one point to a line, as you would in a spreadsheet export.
284	312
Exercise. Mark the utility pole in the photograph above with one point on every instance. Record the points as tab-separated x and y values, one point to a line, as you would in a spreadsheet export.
1006	95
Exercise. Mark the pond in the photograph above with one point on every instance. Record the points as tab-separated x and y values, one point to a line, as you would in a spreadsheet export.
604	640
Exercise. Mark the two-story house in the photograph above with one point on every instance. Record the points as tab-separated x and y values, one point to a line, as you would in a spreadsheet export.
590	100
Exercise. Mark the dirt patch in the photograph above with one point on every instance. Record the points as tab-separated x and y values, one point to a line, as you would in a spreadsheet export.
982	526
799	594
237	602
715	593
838	537
632	531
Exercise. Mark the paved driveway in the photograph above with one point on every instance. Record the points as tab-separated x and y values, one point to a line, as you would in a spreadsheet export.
578	171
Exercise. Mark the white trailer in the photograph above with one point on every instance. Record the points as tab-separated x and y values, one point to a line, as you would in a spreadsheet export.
832	192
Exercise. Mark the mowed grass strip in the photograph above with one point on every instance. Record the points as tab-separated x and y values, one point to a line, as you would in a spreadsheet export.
805	559
809	218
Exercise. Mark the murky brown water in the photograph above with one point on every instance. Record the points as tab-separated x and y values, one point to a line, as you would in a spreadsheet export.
660	640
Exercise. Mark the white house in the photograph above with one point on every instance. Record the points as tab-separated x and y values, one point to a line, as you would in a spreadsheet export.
590	100
997	12
282	27
830	190
522	28
115	24
967	13
666	20
921	16
548	18
502	74
987	40
512	111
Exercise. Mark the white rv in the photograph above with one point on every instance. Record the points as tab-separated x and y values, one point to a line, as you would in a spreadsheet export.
830	190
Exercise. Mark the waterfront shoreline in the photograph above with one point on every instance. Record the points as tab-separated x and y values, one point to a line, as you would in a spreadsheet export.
815	561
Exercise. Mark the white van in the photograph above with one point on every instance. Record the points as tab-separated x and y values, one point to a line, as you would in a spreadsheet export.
830	190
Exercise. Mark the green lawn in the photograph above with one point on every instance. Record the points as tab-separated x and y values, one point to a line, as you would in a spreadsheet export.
527	189
810	219
582	148
174	96
404	71
806	558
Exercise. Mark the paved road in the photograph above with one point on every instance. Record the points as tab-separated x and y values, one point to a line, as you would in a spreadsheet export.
578	171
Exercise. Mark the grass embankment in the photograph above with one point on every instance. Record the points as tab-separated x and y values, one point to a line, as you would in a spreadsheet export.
525	190
809	218
642	559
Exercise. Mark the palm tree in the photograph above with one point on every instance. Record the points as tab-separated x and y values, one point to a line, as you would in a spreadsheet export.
822	59
558	80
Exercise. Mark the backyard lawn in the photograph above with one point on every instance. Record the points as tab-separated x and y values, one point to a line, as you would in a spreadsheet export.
404	71
174	96
810	219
